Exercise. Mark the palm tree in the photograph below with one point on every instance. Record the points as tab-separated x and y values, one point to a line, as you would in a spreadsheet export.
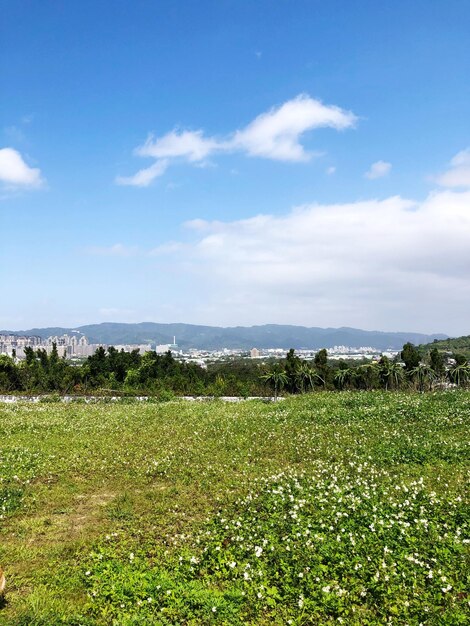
459	373
302	376
423	375
392	374
368	373
344	377
276	378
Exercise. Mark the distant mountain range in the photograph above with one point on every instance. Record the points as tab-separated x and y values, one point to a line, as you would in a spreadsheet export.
213	337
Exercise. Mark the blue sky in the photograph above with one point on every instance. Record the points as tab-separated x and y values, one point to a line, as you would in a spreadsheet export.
236	163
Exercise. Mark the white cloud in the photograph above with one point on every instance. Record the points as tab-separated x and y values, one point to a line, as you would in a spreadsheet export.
458	175
144	177
331	170
393	263
274	135
198	224
189	145
378	170
15	172
166	248
117	249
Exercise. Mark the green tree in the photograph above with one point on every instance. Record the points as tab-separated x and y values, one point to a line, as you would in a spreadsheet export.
391	373
132	379
43	359
460	359
306	377
459	374
343	377
29	354
8	373
292	367
276	379
321	358
423	376
54	356
367	376
321	365
437	362
410	356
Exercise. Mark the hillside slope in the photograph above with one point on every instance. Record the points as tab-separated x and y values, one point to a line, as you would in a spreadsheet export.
456	345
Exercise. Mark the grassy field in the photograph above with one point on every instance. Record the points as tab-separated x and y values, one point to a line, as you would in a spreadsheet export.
330	508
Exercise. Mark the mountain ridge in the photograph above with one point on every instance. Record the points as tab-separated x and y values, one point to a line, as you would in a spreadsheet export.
232	337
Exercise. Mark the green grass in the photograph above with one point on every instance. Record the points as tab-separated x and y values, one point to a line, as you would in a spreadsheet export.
331	508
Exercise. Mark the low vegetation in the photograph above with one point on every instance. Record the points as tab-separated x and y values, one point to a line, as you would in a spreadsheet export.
326	508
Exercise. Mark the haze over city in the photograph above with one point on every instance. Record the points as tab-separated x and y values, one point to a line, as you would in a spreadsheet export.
236	163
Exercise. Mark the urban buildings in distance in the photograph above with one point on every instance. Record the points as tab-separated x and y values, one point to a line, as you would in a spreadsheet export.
75	346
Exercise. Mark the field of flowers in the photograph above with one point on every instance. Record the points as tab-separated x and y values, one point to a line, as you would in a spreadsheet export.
328	508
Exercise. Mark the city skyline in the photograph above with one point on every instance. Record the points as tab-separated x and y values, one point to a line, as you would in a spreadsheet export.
231	163
74	347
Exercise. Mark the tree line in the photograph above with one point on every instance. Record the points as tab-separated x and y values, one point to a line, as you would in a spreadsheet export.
114	371
408	371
